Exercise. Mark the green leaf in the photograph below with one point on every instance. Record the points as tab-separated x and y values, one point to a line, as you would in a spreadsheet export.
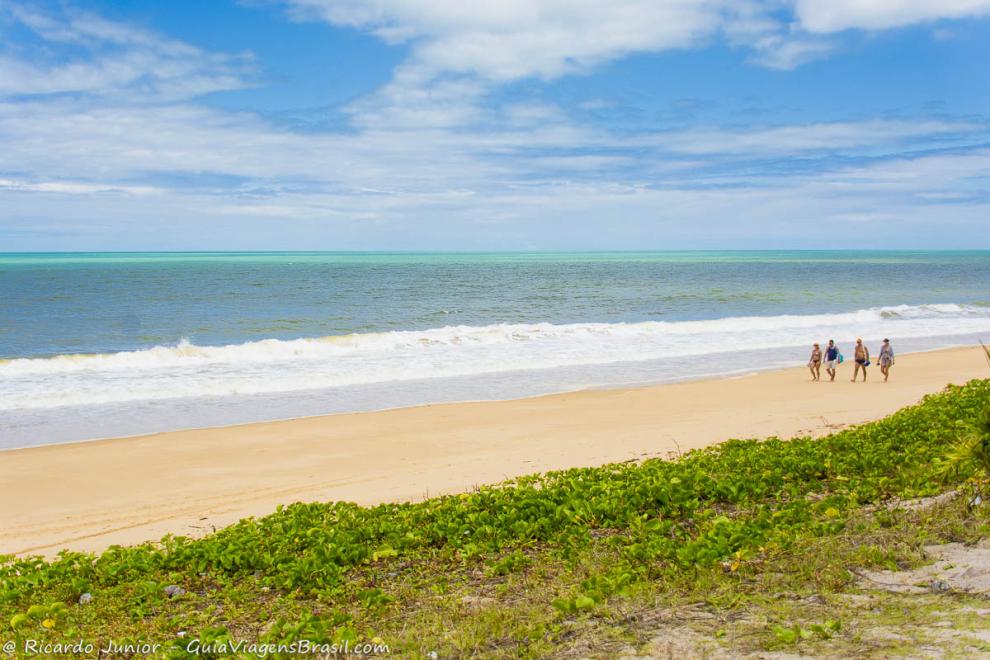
785	635
584	602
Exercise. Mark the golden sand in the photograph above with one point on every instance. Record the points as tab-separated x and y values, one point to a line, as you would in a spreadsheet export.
89	495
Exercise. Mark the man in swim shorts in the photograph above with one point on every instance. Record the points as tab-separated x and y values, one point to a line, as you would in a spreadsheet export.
831	358
862	360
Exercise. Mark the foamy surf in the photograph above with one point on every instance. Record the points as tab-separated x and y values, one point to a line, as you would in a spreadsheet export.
272	366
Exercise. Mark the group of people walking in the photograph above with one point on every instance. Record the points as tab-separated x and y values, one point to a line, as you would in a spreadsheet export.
832	357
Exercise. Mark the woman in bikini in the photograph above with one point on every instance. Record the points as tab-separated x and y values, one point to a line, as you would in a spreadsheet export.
815	363
862	359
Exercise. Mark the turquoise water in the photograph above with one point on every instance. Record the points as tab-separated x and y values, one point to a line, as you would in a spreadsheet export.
103	302
106	344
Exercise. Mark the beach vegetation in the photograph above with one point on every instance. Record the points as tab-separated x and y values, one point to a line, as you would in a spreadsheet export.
587	560
970	455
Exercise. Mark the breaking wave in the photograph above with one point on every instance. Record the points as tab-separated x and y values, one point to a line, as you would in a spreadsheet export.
273	365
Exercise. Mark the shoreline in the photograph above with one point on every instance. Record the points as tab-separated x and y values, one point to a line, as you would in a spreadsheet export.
741	372
87	495
738	373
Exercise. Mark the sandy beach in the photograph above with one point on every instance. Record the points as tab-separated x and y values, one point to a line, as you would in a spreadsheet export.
88	496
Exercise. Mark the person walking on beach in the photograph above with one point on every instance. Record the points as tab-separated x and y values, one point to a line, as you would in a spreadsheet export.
886	359
831	358
862	357
815	363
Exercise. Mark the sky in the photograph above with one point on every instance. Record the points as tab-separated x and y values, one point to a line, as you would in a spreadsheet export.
502	125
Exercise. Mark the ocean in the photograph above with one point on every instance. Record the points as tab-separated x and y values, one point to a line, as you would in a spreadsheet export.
108	344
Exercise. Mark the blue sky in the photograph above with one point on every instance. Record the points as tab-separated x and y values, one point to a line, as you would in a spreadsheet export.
533	125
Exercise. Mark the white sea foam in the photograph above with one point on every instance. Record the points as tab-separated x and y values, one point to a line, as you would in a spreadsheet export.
280	366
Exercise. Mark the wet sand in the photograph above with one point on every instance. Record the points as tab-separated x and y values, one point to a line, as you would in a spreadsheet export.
90	495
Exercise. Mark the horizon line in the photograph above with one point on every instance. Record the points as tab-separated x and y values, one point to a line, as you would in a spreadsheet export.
441	251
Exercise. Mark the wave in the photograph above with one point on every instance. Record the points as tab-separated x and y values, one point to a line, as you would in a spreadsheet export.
274	365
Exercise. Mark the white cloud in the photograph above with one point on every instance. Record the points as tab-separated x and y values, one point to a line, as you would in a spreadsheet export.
511	39
70	140
784	53
927	173
808	211
115	60
504	40
427	161
76	187
460	51
836	15
835	137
